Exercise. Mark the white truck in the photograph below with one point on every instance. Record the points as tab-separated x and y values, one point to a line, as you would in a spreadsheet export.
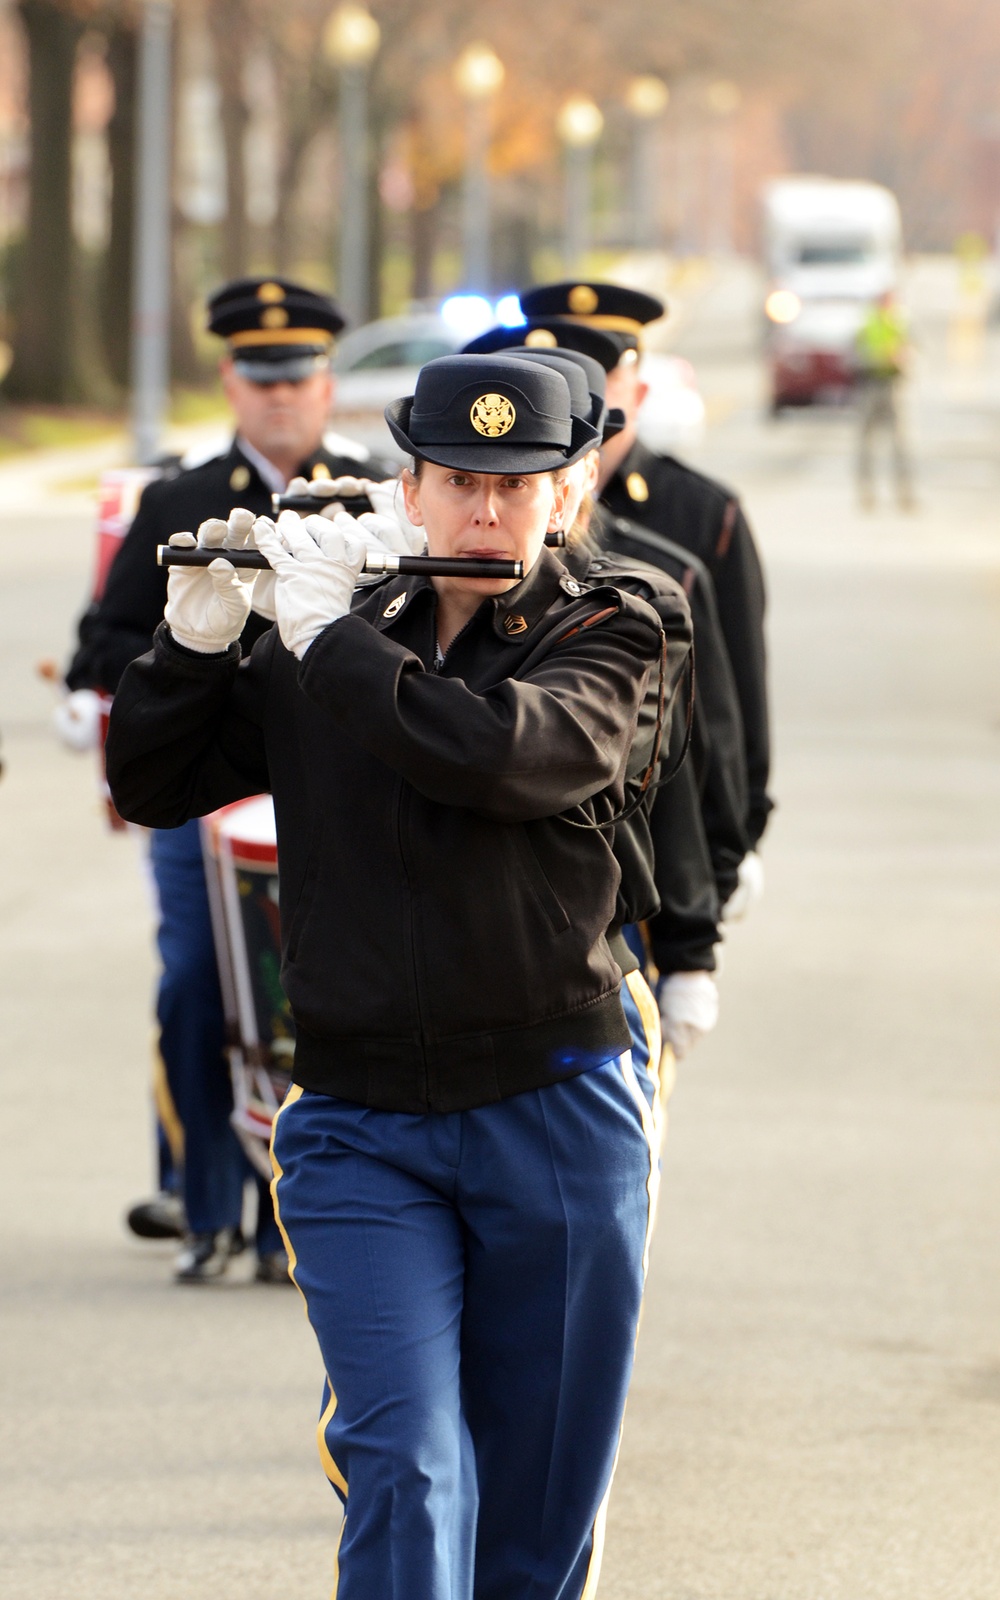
831	248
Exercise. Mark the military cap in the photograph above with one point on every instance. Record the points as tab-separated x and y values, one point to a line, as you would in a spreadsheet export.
277	331
546	333
491	414
608	306
587	381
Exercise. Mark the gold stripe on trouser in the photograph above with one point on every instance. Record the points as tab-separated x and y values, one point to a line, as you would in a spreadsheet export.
650	1127
660	1056
330	1467
166	1111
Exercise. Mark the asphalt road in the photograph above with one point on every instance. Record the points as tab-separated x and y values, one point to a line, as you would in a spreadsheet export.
816	1408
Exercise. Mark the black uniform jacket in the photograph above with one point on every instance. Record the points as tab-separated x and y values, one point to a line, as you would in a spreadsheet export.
120	626
717	744
443	923
706	518
668	880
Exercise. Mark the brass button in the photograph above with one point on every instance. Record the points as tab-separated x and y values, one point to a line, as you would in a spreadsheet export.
270	293
583	300
513	622
239	478
638	488
321	470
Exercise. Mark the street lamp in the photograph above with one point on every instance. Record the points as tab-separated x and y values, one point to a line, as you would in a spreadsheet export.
150	354
579	126
350	41
646	97
479	75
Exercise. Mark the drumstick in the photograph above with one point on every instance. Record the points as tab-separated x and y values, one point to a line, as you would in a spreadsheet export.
170	555
354	504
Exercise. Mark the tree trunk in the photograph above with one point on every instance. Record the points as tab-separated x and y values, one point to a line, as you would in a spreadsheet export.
230	25
45	366
424	236
116	278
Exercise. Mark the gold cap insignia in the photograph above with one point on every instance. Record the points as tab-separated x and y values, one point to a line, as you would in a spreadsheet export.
582	300
638	488
274	317
271	292
513	622
394	606
492	415
239	478
321	470
540	339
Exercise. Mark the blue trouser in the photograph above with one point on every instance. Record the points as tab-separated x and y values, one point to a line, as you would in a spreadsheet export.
192	1043
474	1281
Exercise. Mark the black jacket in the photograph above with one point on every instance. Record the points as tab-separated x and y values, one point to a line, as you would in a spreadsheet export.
718	756
443	922
668	880
120	626
706	518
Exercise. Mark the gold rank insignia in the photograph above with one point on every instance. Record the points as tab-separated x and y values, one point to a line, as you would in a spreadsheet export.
271	293
239	478
540	339
274	317
638	488
582	300
492	415
513	622
394	606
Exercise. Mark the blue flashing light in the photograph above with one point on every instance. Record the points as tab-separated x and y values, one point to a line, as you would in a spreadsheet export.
467	314
509	313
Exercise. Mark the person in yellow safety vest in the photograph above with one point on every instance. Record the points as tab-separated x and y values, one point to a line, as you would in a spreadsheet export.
883	347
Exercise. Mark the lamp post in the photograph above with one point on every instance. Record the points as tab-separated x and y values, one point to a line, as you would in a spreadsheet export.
479	74
150	354
579	126
723	100
646	97
351	40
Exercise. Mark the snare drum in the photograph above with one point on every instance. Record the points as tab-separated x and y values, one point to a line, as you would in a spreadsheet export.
241	866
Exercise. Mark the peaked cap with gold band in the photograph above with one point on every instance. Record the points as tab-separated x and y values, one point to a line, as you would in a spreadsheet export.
277	331
587	383
616	311
550	333
491	414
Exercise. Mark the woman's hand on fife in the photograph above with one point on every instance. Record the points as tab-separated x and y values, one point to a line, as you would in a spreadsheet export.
316	566
207	607
689	1008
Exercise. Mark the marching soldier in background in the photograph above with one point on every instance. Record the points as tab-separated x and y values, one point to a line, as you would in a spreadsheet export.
686	507
694	859
276	375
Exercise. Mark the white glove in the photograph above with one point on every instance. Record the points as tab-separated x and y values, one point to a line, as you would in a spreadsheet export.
749	888
387	502
689	1008
207	607
316	567
393	528
77	719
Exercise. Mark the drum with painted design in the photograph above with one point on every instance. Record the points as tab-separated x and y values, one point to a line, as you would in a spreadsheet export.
241	862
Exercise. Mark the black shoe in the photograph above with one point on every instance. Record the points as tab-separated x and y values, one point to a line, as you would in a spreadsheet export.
159	1218
272	1267
203	1257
